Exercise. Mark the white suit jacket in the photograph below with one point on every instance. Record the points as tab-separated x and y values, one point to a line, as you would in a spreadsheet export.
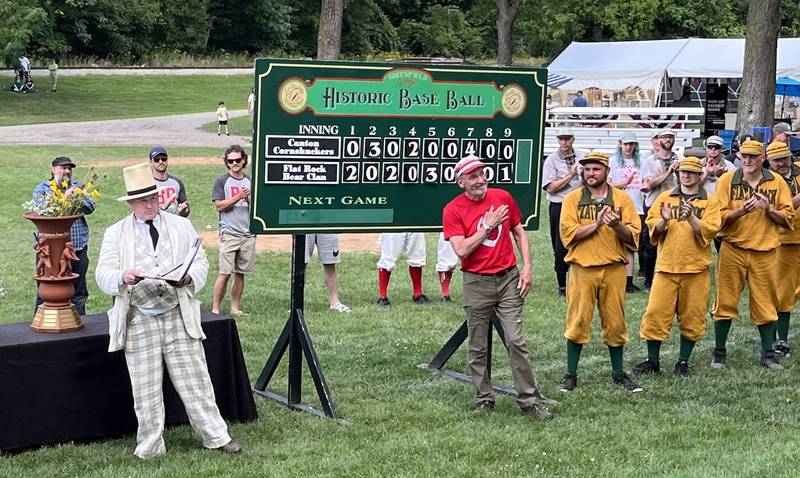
117	256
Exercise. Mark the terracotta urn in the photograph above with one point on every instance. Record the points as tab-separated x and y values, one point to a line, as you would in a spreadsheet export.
54	256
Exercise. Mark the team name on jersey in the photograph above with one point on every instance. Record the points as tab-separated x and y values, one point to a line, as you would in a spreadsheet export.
590	211
676	212
743	192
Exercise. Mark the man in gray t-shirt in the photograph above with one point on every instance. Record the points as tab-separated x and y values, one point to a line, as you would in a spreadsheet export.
237	245
171	191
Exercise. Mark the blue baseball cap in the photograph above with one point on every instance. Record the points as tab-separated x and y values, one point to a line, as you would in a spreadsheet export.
157	151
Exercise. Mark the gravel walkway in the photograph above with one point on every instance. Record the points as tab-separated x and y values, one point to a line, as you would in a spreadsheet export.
174	130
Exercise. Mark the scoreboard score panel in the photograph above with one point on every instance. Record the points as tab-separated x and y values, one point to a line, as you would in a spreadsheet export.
369	147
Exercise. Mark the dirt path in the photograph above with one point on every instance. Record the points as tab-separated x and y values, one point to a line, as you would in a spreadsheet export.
174	130
283	242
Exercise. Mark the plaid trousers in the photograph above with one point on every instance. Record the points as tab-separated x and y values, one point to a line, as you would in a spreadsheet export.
151	342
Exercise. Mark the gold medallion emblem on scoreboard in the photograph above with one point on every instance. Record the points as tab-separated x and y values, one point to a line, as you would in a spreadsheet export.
513	101
293	96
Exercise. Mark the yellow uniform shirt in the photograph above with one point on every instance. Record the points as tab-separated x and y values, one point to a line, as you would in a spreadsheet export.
603	247
680	250
792	236
755	230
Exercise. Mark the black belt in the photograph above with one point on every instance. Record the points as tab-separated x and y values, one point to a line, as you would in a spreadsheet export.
495	274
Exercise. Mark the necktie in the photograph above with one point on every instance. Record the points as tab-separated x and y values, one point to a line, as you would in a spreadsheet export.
153	232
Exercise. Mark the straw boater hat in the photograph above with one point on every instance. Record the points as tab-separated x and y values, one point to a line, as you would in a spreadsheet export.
752	148
595	157
139	182
778	150
691	164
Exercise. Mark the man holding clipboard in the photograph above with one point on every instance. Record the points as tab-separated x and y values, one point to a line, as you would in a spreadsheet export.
155	317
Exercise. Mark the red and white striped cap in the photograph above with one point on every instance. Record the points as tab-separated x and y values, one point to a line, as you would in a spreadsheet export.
468	164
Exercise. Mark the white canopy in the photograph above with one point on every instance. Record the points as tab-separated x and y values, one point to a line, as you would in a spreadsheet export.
617	65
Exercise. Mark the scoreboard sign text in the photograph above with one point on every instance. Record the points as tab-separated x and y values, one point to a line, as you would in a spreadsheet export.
356	147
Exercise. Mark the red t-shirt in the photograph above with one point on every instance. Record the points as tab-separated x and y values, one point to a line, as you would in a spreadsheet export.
463	217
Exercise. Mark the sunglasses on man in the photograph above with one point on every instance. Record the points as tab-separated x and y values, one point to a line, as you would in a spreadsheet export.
234	161
160	159
714	146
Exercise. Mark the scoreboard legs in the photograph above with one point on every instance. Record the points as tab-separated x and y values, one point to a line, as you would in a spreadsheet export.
296	338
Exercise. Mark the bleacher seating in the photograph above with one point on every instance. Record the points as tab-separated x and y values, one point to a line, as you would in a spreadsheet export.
600	128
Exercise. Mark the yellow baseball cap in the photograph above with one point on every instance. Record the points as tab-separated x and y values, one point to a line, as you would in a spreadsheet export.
691	164
752	148
595	157
778	150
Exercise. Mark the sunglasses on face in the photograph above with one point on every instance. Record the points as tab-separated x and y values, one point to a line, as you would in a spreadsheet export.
714	146
160	159
234	161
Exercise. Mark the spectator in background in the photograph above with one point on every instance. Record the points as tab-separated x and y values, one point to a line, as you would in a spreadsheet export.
171	191
53	68
251	103
781	132
626	174
580	100
25	64
222	117
714	164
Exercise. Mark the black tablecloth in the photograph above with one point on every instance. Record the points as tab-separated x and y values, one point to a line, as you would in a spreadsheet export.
61	387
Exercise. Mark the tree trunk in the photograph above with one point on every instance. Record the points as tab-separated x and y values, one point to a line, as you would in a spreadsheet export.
507	14
329	40
757	97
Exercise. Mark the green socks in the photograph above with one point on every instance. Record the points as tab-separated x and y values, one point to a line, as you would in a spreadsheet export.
615	353
573	355
767	332
686	349
654	351
783	325
721	329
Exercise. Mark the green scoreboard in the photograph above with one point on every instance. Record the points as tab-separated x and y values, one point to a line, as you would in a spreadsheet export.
367	147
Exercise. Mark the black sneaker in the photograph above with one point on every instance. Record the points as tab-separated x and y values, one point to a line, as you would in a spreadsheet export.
568	383
484	408
782	349
718	360
648	366
682	368
770	361
562	291
446	299
632	289
384	302
648	285
626	382
421	299
538	412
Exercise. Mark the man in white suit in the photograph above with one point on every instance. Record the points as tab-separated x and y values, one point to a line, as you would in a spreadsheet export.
155	320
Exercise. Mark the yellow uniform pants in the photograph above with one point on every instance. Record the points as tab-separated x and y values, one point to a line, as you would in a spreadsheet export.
683	294
587	286
788	263
759	269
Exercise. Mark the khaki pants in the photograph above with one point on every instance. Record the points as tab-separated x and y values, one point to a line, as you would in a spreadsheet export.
587	286
788	276
683	294
758	268
482	295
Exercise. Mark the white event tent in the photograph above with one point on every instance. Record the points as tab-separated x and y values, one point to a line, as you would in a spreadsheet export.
619	65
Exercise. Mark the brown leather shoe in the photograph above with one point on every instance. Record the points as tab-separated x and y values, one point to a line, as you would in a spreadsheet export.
230	448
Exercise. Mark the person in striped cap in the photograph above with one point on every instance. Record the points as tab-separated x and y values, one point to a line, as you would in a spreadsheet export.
599	226
788	265
682	223
756	208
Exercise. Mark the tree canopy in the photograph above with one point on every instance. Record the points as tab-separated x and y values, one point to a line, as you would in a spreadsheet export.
126	32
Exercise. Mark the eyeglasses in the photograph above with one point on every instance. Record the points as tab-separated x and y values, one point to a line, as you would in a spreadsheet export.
160	159
234	161
714	146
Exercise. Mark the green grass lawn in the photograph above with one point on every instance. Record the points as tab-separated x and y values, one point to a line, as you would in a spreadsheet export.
409	422
239	126
92	97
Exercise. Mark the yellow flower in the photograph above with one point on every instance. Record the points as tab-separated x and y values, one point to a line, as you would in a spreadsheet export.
64	183
95	194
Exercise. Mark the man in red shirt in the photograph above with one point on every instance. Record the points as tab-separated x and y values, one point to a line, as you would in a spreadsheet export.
479	224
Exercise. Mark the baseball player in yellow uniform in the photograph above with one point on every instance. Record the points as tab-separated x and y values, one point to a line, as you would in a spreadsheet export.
756	208
780	160
682	224
599	226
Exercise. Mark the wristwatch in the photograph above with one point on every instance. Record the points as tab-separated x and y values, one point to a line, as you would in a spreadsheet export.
488	229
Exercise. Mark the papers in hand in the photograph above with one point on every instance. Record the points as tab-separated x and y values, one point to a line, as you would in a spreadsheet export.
178	273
